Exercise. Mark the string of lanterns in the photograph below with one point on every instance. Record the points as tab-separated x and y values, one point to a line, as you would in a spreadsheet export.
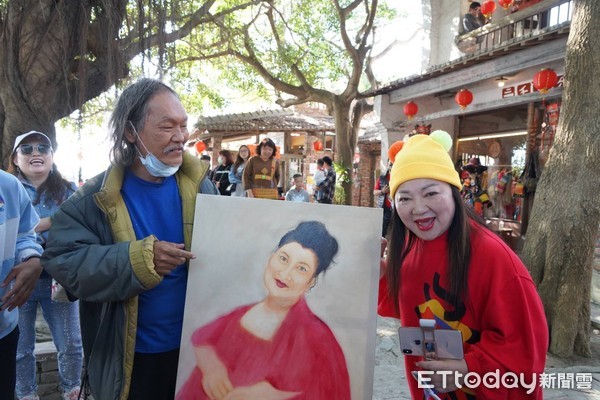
543	81
489	6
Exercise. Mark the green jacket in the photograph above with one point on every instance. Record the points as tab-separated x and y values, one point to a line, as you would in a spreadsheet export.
93	252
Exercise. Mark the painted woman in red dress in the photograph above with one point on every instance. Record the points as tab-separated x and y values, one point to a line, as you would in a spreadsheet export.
277	348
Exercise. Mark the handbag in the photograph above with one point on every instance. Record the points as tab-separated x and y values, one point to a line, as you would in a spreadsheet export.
531	173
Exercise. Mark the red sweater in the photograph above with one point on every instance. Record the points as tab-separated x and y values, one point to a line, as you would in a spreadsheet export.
502	320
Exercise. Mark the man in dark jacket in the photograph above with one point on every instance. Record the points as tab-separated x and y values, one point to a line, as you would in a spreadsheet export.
121	245
327	186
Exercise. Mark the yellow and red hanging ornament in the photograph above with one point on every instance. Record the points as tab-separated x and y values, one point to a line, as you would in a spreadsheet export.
411	109
318	145
545	80
505	4
463	98
487	8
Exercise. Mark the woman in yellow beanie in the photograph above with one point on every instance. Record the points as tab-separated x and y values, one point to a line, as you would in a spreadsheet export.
444	265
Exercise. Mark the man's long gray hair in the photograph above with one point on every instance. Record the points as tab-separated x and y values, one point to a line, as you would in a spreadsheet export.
131	108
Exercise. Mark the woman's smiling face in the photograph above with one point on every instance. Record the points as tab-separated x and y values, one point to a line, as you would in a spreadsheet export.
290	272
36	163
425	206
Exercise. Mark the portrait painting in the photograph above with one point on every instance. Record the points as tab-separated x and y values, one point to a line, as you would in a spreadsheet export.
281	301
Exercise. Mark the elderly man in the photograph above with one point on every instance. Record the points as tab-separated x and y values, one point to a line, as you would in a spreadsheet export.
121	245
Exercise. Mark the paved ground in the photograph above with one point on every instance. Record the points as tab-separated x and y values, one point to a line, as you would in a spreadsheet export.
390	382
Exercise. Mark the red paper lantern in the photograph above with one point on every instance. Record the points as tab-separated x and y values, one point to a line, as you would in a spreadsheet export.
411	109
488	7
463	98
505	3
545	80
318	145
200	146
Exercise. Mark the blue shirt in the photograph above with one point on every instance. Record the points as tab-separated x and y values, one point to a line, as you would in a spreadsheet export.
17	222
46	207
155	209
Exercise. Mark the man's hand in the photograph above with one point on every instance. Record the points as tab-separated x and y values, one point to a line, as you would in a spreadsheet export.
25	275
167	256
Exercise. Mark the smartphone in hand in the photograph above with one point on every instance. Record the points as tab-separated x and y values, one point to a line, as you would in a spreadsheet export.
447	343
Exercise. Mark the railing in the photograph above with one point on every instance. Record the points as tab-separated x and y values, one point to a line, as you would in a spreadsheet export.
537	20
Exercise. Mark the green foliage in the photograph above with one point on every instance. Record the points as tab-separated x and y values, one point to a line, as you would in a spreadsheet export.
295	42
343	174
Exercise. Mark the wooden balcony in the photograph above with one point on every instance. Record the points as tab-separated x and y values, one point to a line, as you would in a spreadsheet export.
544	21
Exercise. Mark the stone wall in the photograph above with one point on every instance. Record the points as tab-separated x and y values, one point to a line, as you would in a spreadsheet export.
47	371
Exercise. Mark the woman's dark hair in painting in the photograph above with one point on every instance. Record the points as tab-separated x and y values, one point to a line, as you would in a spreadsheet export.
313	235
267	142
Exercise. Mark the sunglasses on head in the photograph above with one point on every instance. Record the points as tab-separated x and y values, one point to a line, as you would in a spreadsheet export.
27	149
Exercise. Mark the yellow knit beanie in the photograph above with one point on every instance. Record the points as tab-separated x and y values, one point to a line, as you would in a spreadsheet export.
424	156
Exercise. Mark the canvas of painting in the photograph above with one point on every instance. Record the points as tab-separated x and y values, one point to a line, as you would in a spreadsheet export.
281	301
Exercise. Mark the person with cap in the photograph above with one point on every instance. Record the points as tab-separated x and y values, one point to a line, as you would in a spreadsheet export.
20	256
444	265
327	186
32	162
121	244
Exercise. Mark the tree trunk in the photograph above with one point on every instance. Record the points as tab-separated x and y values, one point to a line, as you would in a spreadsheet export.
53	60
345	145
562	231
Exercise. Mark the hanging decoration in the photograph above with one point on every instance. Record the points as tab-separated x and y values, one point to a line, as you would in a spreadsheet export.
411	109
200	146
487	8
318	145
545	80
505	4
394	149
463	98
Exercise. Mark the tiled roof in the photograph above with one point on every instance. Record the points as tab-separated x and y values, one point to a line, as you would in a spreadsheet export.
261	121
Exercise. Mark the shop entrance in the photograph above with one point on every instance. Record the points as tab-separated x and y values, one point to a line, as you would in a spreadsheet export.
491	156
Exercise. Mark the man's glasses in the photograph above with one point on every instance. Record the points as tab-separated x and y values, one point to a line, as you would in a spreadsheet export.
27	149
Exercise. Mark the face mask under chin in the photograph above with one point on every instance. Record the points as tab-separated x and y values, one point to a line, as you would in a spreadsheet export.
154	166
157	168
